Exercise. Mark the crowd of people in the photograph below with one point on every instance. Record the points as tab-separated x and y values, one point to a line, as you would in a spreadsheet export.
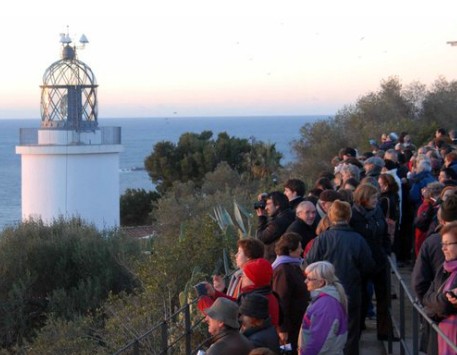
318	265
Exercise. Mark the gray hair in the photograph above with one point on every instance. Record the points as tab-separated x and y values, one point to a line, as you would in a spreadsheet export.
391	154
423	163
326	271
353	170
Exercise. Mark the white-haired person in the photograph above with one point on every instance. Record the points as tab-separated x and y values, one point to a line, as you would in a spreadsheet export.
324	327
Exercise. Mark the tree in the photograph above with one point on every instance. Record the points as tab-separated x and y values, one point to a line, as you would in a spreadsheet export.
197	154
391	109
136	207
439	107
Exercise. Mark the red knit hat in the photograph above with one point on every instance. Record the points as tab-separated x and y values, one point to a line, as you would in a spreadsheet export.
259	271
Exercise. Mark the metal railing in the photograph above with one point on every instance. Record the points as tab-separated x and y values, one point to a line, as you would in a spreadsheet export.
166	344
410	337
109	135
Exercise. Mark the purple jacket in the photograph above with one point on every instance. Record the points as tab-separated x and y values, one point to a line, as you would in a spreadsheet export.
325	324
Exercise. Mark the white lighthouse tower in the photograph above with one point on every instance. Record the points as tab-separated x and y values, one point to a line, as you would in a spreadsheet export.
70	165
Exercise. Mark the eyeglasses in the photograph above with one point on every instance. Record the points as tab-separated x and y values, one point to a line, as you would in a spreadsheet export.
447	244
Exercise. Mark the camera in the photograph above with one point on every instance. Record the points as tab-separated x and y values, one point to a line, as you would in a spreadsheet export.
262	203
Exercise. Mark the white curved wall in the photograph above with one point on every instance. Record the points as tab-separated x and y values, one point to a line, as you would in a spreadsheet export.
76	180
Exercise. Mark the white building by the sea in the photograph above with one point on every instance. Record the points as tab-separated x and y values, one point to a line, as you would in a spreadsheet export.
70	165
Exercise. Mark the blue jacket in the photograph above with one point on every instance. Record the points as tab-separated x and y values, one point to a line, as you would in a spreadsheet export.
418	182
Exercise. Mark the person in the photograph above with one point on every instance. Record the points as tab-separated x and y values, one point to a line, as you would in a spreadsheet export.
288	283
420	178
351	256
389	142
447	176
453	136
324	326
248	249
256	324
450	160
223	325
326	199
257	278
428	262
294	189
425	221
390	204
373	167
349	171
350	184
440	301
270	229
305	223
369	221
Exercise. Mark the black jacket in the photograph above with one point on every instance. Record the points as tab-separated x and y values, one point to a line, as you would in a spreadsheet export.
305	231
270	230
263	337
372	226
428	262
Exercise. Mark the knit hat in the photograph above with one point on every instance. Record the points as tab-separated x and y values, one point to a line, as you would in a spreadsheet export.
449	209
259	271
226	311
329	196
254	305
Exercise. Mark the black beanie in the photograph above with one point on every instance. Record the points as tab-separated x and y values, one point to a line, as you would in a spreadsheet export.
254	305
449	209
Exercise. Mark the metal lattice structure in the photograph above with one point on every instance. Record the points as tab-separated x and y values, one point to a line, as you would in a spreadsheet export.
69	94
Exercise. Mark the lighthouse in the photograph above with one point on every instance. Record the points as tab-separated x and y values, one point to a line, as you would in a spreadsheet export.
70	165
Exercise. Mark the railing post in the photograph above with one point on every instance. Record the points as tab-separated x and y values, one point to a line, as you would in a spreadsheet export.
188	327
389	307
136	347
402	319
164	328
416	336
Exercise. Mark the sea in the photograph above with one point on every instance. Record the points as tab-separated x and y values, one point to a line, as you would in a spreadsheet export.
139	135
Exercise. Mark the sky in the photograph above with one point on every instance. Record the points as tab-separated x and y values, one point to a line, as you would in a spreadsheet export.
222	58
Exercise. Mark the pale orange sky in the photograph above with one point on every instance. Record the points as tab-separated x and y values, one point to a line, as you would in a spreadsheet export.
191	58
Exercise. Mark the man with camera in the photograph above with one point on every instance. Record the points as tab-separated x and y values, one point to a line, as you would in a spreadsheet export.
275	216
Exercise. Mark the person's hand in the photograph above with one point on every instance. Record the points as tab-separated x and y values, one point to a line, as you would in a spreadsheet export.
283	338
260	212
451	298
218	283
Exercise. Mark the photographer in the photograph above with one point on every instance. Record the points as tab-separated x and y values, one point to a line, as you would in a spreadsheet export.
280	216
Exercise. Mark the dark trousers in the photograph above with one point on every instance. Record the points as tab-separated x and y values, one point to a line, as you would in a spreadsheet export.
380	282
352	343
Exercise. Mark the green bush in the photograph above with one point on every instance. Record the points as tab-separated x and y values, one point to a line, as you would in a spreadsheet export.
67	269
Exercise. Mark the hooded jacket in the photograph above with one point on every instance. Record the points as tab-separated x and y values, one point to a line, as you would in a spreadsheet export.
324	328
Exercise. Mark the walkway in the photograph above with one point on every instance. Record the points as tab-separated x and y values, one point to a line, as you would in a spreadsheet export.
369	344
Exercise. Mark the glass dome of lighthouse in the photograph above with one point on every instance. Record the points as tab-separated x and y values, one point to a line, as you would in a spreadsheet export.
69	91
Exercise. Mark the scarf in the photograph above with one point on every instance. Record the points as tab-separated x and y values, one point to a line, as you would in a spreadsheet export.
451	267
286	259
